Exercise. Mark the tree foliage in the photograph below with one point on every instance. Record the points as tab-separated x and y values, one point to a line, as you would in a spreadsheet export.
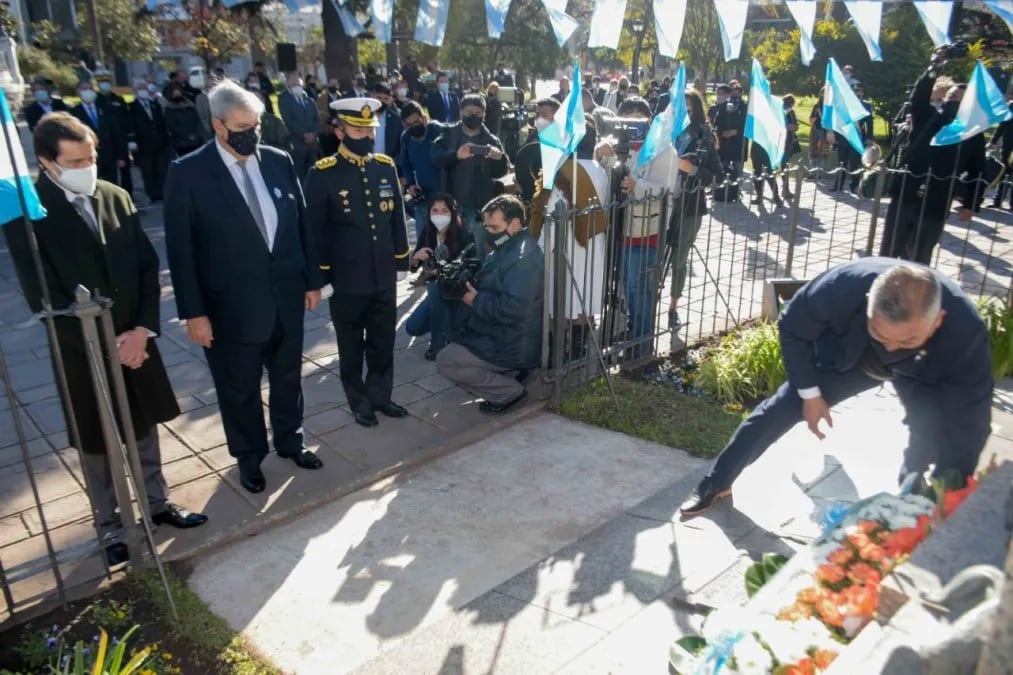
126	33
215	33
8	22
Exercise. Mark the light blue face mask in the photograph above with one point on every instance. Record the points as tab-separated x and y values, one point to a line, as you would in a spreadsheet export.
444	87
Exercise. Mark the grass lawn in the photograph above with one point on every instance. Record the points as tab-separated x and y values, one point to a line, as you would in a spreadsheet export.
803	106
200	642
655	412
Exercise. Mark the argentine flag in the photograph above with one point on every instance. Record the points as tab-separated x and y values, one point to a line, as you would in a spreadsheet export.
669	125
765	123
14	176
983	106
560	139
841	108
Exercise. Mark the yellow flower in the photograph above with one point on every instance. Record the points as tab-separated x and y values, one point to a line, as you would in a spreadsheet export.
167	656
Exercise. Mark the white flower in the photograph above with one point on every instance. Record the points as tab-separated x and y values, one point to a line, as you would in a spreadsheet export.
787	644
750	657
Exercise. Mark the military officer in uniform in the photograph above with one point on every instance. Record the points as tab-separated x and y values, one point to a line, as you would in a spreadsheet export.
354	204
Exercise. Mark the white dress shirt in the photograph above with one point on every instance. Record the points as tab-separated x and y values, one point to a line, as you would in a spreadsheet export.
380	145
263	196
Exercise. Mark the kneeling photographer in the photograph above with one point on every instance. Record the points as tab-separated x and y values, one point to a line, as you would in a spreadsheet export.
501	329
443	241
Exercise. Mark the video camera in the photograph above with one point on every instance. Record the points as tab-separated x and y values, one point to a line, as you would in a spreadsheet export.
626	130
956	50
453	276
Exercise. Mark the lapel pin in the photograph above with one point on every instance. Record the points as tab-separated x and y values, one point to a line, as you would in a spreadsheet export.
277	193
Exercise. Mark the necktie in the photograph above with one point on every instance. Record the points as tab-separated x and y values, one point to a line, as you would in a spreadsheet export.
446	105
93	116
253	202
79	206
147	110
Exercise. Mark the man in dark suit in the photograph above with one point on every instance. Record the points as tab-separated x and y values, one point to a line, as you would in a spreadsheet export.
112	137
116	106
149	140
92	236
443	105
388	134
328	142
43	102
354	203
302	119
854	326
244	272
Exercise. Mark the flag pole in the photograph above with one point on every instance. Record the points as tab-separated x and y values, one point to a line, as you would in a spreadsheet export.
48	319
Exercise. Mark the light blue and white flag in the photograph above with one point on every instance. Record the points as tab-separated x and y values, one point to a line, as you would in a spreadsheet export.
1002	9
349	21
669	20
804	13
935	15
560	139
495	17
14	176
868	16
765	122
842	110
606	23
382	12
431	23
983	106
562	23
732	18
668	126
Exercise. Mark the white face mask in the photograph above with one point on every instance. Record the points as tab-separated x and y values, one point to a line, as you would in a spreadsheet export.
105	87
402	92
153	89
253	86
78	181
444	87
143	94
88	95
298	91
542	124
440	221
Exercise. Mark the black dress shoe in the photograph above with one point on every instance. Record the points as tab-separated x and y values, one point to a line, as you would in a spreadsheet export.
366	419
490	407
177	516
117	554
702	498
391	410
252	481
305	460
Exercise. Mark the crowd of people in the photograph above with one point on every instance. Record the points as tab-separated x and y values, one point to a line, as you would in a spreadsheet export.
266	208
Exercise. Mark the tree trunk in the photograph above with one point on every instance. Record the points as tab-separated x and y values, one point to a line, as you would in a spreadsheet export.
341	54
393	63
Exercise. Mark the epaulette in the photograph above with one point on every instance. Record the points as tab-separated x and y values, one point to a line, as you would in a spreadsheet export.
326	163
385	159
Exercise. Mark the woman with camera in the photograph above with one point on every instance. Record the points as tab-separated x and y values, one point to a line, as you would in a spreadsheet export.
444	239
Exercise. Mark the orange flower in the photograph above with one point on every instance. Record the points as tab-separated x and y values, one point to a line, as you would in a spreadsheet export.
864	574
903	541
872	553
859	540
841	556
860	600
829	611
868	526
823	658
809	595
830	574
796	612
803	667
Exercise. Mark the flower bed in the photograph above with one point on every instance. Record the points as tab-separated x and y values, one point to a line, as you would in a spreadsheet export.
807	610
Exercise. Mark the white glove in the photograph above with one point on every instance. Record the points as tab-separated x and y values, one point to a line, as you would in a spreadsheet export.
131	146
326	292
401	276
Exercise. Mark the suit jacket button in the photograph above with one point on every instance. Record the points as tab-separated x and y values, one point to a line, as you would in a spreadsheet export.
374	237
367	192
369	203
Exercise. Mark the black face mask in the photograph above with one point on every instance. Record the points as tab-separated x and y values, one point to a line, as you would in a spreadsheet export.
360	146
950	109
244	142
418	131
361	84
473	121
332	89
499	239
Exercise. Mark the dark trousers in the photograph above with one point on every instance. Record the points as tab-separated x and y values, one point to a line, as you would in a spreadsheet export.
236	370
100	480
909	233
850	162
775	416
125	179
153	164
365	328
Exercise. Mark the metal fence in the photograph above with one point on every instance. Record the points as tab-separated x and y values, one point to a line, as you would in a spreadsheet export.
612	302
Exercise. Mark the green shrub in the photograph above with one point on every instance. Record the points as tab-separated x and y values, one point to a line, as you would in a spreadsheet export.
745	367
998	317
34	61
